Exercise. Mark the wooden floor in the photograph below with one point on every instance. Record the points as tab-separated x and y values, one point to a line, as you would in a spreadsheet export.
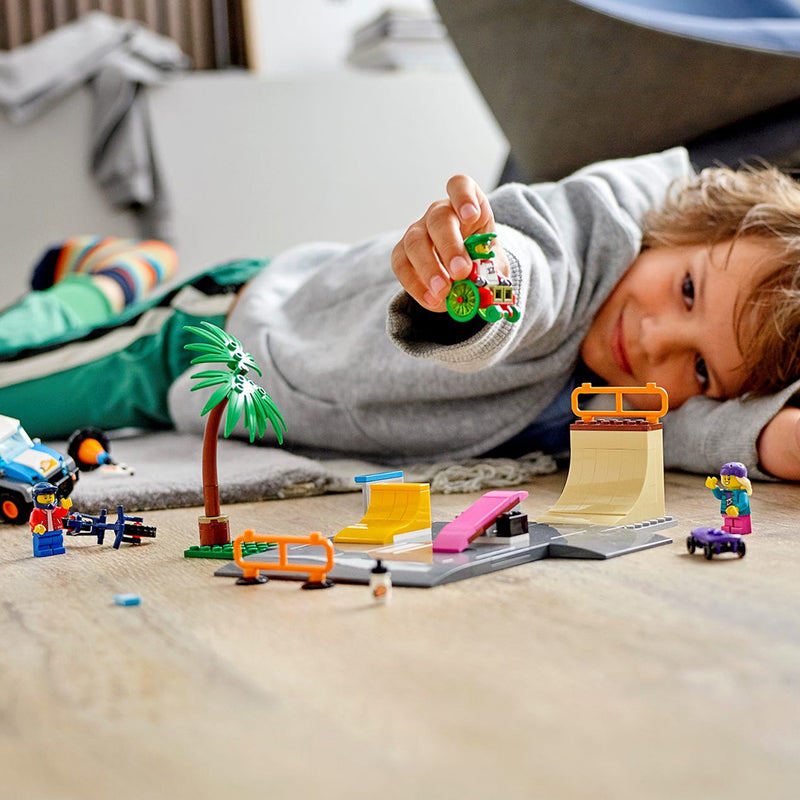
654	675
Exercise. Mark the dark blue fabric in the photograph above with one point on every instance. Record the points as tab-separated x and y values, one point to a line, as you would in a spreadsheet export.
43	272
725	9
769	25
549	432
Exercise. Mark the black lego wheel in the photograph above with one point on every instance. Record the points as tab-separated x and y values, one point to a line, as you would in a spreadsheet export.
14	508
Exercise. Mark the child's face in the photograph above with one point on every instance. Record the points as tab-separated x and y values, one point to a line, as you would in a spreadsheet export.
671	319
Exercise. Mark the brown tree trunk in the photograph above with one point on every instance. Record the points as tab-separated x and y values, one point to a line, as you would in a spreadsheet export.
214	529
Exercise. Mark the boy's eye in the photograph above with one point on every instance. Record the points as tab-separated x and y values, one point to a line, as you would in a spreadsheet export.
687	290
701	372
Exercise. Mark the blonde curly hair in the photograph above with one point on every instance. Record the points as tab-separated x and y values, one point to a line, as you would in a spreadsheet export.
762	203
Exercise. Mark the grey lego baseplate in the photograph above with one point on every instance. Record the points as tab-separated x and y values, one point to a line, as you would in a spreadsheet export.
484	555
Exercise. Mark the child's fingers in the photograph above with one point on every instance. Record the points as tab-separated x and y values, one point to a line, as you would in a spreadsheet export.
431	254
470	213
444	233
417	267
470	204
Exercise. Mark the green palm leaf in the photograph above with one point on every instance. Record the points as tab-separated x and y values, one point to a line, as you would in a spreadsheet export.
245	398
210	378
219	346
235	407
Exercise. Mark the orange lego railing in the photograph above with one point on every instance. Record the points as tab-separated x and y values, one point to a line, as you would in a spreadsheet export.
619	411
251	568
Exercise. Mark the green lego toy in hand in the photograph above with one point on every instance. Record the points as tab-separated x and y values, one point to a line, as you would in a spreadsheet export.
485	292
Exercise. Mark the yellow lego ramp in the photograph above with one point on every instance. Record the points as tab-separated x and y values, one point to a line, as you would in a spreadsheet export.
616	475
397	512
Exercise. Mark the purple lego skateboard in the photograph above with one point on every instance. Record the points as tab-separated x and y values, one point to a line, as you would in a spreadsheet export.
713	541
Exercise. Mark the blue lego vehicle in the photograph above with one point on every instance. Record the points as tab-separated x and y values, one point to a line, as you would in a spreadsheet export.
713	541
23	463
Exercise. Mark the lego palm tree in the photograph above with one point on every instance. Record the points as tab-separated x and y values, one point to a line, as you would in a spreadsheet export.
235	396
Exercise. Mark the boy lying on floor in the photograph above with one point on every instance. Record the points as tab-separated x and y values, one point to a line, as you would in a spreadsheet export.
628	271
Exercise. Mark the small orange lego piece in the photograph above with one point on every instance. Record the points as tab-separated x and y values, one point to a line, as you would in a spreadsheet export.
619	411
251	569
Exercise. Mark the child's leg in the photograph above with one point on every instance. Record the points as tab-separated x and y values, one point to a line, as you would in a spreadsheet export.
118	377
66	311
81	285
137	266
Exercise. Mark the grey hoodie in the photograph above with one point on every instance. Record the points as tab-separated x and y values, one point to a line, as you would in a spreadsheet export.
356	366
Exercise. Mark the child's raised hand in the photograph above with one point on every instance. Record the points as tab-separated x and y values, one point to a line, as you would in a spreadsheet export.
431	254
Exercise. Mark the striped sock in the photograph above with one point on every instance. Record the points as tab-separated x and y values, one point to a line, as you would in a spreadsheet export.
137	267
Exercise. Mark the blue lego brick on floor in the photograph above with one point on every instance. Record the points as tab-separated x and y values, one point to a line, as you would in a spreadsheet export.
127	599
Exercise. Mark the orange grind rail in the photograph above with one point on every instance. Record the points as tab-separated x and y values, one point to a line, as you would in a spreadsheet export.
619	412
251	569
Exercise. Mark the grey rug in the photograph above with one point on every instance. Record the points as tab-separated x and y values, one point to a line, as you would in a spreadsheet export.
166	474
